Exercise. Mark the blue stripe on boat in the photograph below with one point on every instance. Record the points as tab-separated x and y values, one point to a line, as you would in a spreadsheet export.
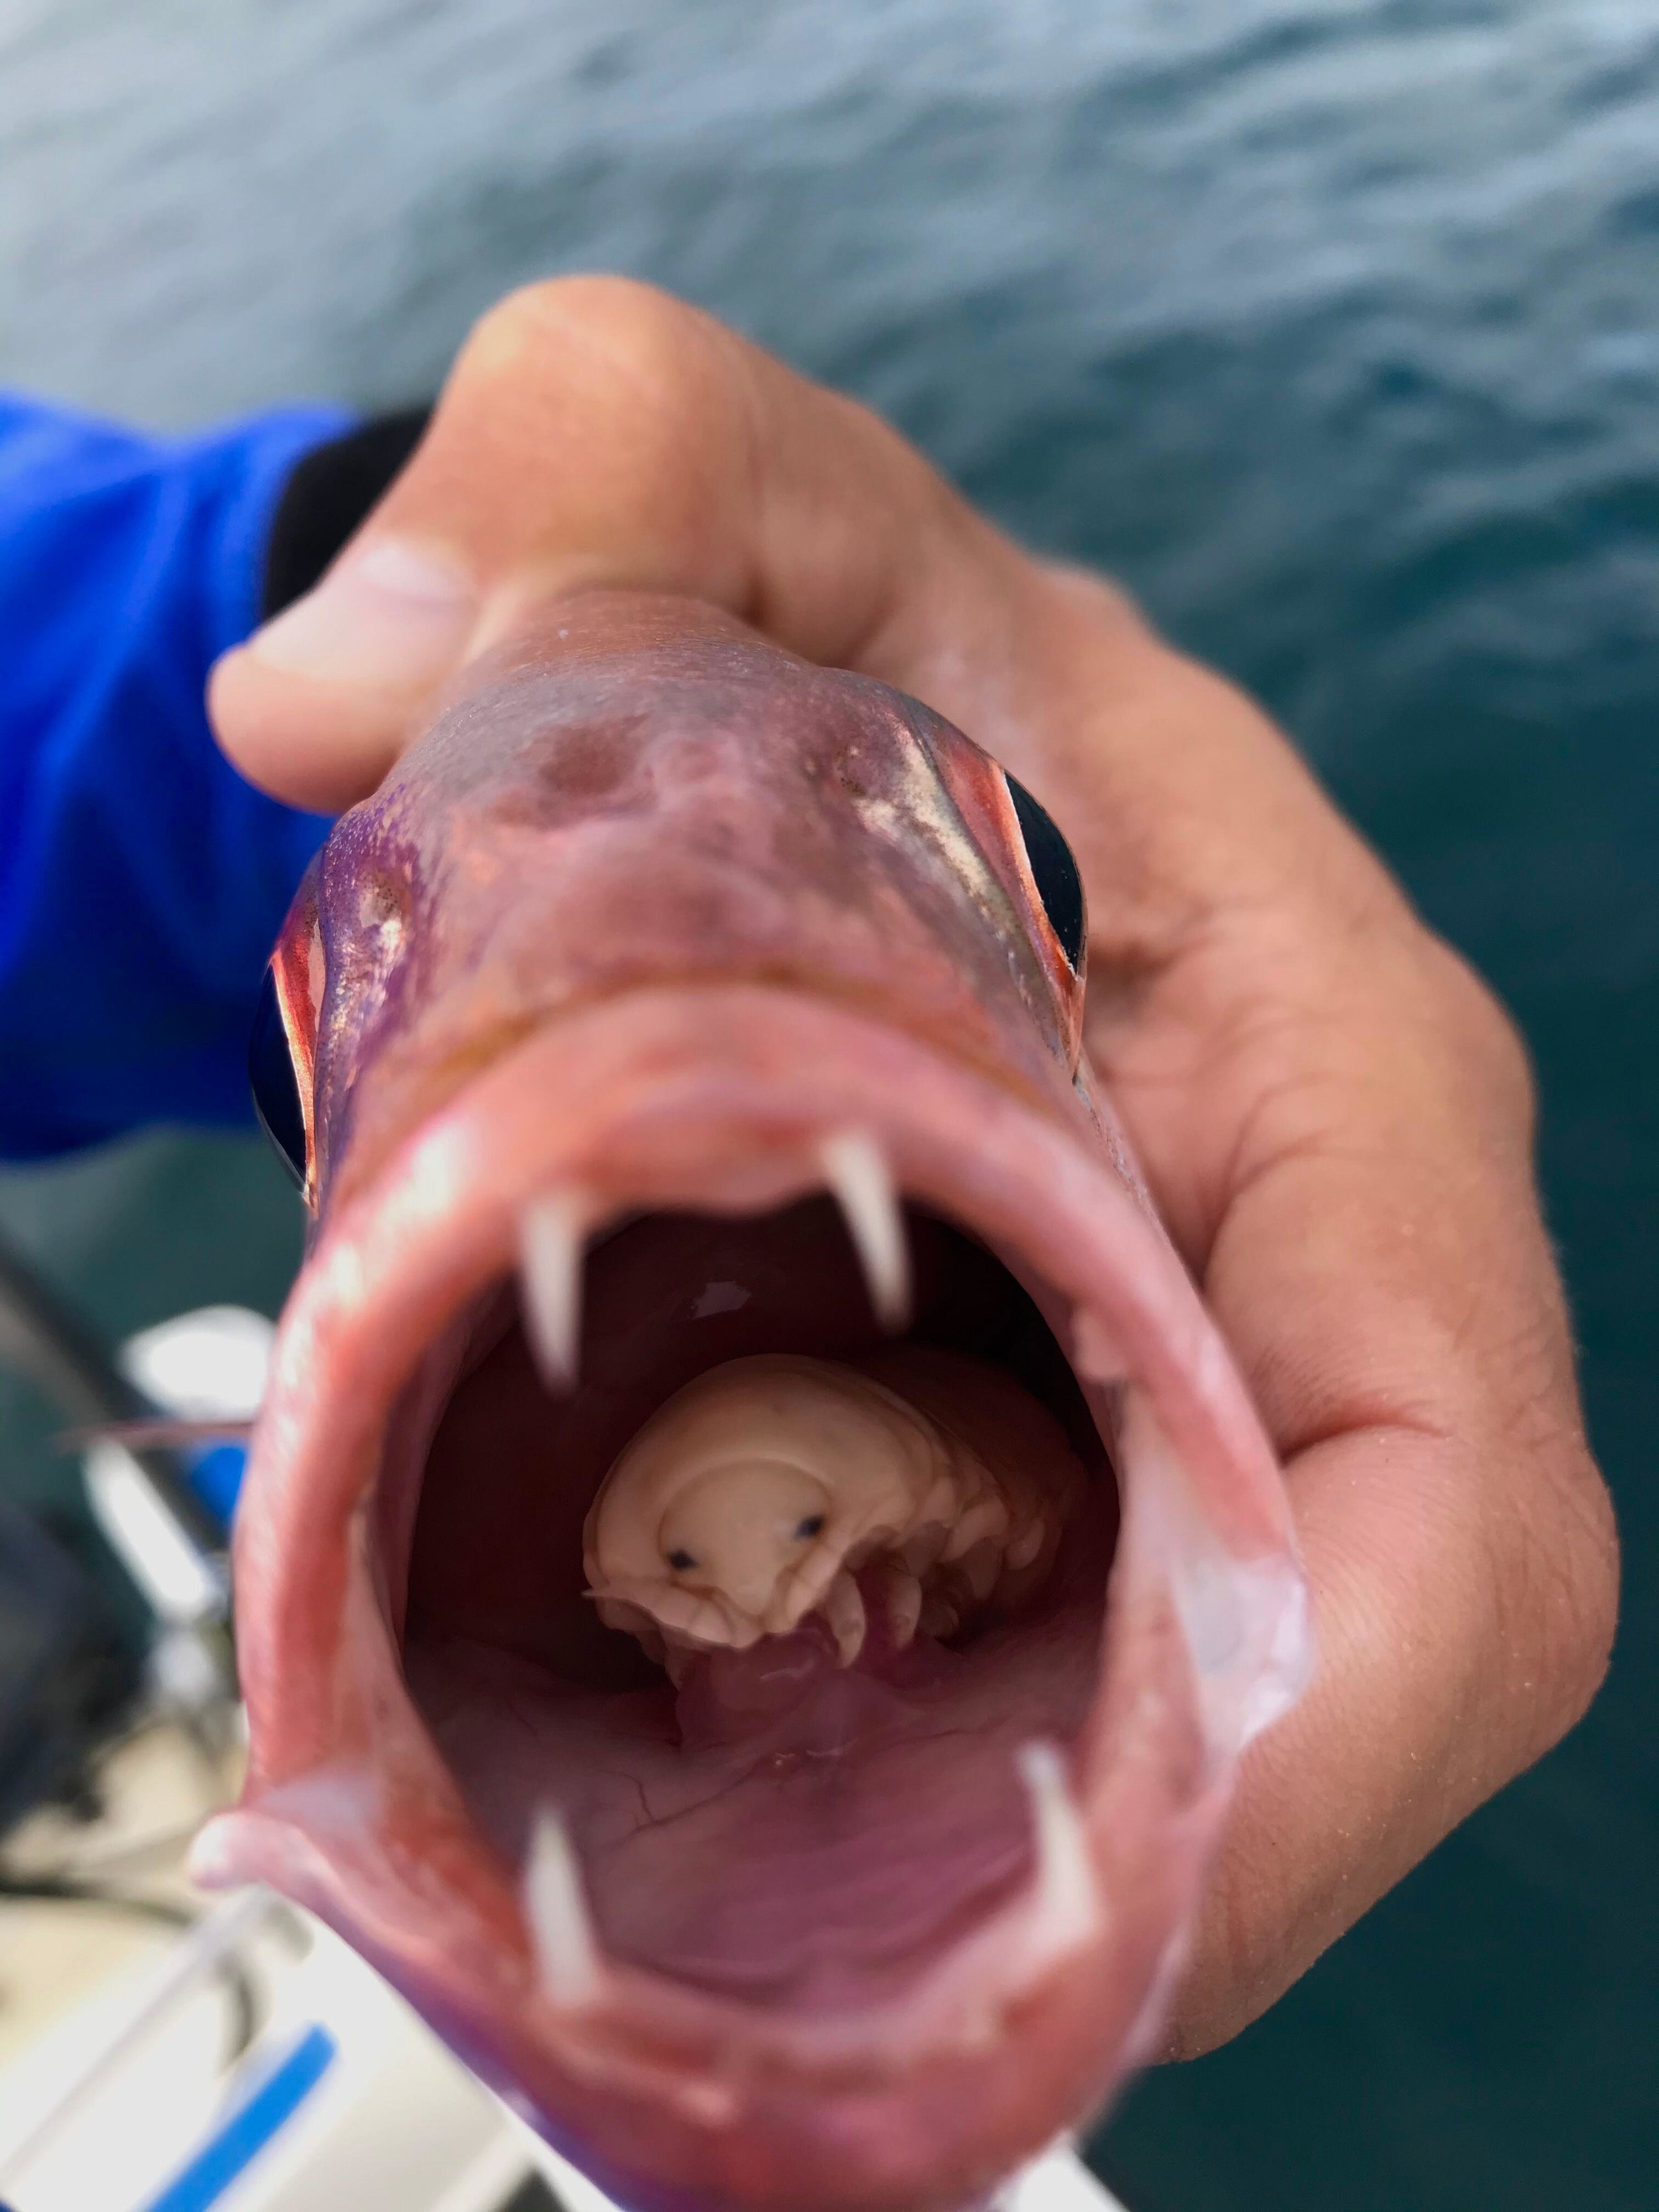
249	2128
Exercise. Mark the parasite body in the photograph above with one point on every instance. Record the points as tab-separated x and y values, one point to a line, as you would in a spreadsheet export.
756	1495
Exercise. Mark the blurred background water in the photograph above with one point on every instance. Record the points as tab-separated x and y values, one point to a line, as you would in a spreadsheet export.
1334	330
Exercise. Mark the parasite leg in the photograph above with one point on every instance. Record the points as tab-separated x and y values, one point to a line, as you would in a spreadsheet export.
900	1599
843	1608
940	1617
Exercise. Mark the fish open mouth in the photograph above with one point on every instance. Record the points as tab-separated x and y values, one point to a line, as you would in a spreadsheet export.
946	1869
779	1828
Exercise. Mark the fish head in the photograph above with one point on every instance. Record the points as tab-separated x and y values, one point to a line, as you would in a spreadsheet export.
669	803
673	1003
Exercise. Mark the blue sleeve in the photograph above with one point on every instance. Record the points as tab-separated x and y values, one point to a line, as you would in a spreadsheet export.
141	881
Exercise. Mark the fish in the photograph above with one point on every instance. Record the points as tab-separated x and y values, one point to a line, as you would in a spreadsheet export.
675	1003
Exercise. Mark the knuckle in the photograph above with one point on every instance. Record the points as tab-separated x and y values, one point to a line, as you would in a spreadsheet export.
515	325
1105	601
650	392
1503	1046
644	333
1484	1032
1560	1606
603	415
1589	1611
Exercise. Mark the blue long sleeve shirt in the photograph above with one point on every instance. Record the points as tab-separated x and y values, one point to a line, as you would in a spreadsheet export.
141	882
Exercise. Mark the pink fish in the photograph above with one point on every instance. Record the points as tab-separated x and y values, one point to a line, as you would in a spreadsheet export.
675	1003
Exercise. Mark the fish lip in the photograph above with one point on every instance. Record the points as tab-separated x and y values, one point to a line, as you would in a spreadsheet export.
669	1076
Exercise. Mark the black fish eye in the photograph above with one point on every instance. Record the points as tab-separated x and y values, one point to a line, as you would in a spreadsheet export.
812	1526
1054	871
681	1560
275	1088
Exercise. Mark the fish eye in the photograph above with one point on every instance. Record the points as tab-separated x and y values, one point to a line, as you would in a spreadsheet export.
812	1526
1054	871
274	1086
681	1560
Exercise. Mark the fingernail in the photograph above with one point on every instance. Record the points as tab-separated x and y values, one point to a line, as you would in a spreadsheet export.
391	615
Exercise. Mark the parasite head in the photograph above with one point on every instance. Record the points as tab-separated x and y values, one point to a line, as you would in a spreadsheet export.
733	1512
743	1532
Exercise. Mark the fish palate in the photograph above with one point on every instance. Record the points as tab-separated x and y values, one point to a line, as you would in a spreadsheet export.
684	1056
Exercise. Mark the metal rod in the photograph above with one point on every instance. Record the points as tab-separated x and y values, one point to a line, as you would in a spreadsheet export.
44	1339
208	1941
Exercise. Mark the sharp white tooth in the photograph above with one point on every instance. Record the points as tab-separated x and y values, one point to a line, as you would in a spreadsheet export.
1066	1898
567	1950
856	1171
550	1238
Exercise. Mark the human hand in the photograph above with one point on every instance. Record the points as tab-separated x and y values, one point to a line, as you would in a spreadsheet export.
1333	1113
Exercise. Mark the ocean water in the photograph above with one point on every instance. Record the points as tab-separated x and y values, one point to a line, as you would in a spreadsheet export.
1334	330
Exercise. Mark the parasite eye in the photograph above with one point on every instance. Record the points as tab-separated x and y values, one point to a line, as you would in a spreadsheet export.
812	1526
681	1560
271	1079
1054	871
